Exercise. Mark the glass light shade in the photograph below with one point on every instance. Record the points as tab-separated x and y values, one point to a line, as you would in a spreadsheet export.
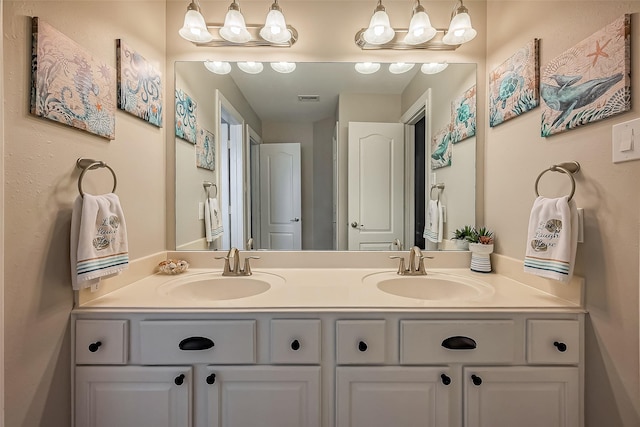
367	67
218	67
400	67
420	29
379	31
284	67
275	28
194	28
433	67
234	29
460	29
251	67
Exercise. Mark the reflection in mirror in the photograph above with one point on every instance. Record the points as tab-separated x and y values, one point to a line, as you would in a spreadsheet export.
324	158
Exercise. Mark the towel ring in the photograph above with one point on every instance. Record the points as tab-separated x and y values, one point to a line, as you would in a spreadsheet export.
207	185
568	168
86	164
437	187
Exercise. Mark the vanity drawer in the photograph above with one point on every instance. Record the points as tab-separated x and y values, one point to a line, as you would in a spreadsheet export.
179	342
295	341
360	342
553	341
101	342
486	341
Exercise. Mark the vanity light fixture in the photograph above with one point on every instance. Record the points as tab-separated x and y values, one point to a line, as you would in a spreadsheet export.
433	67
284	67
367	67
400	67
251	67
235	31
420	34
218	67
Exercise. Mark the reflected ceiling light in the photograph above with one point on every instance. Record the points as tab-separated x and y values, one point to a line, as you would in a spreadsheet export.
420	28
218	67
379	31
275	28
367	67
460	29
194	28
433	67
251	67
400	67
283	67
234	29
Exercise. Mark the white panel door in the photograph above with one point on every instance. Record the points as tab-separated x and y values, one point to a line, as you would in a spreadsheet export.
392	396
140	396
264	396
376	185
280	197
521	396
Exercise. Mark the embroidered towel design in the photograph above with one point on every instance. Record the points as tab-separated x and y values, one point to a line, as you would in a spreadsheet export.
552	238
433	229
212	220
100	236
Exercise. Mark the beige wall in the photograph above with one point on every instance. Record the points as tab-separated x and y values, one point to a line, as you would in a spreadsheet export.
40	183
608	259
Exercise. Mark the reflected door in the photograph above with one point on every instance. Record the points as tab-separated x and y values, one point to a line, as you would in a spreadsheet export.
280	198
375	176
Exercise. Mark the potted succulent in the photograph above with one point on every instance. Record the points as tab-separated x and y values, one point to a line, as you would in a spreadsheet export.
462	236
481	246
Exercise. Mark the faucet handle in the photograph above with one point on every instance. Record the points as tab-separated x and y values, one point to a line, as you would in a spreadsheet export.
247	266
421	269
401	269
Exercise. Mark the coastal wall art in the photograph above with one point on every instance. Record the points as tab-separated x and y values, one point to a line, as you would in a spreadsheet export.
513	85
463	116
186	109
69	85
441	148
206	150
139	85
588	82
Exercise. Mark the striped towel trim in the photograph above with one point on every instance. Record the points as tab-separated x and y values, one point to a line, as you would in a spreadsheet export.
102	263
557	266
431	235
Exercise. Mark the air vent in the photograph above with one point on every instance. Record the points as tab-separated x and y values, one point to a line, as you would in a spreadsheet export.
308	98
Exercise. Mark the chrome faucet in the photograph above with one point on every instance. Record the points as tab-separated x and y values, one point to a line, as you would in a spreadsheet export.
416	263
233	257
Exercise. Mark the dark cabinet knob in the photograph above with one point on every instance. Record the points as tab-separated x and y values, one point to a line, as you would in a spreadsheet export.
362	346
179	380
94	346
211	379
446	380
295	345
562	347
476	379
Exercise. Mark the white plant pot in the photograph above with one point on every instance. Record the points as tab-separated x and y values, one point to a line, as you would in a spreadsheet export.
480	257
463	245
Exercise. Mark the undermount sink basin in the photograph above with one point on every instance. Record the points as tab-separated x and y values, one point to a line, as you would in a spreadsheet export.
432	287
216	287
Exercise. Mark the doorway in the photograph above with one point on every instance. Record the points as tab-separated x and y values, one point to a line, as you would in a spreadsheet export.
420	153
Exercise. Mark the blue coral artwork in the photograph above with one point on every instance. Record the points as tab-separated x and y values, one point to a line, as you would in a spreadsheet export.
186	109
463	116
513	85
69	85
206	150
589	82
139	85
441	149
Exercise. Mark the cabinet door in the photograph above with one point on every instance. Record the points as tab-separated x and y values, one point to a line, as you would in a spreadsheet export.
264	396
392	396
141	396
522	396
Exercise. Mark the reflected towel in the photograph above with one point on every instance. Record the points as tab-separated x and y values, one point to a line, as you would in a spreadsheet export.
212	220
552	238
433	229
99	246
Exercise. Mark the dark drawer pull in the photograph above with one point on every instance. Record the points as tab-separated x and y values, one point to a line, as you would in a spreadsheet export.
446	380
295	345
459	343
195	343
94	346
211	379
562	347
179	380
476	379
362	346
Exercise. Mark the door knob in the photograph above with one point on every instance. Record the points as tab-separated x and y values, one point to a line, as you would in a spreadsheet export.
354	224
296	219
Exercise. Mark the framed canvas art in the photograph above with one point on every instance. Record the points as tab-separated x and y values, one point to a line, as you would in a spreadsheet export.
588	82
206	150
513	85
441	149
185	116
69	85
463	116
139	85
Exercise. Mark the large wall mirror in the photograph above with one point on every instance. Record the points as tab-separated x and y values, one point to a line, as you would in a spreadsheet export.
323	157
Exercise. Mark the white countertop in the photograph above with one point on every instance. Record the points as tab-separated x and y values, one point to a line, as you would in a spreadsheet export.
328	289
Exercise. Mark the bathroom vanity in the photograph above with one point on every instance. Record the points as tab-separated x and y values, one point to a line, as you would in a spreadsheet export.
322	347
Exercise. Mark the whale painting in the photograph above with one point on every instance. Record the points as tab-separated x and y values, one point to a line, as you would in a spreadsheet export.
589	82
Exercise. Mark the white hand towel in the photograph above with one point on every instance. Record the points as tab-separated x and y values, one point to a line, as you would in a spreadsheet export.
99	245
433	228
552	238
213	220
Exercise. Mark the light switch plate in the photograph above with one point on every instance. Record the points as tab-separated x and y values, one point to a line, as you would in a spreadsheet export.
200	210
626	141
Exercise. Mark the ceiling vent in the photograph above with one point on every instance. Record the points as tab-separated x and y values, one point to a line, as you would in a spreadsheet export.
308	98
